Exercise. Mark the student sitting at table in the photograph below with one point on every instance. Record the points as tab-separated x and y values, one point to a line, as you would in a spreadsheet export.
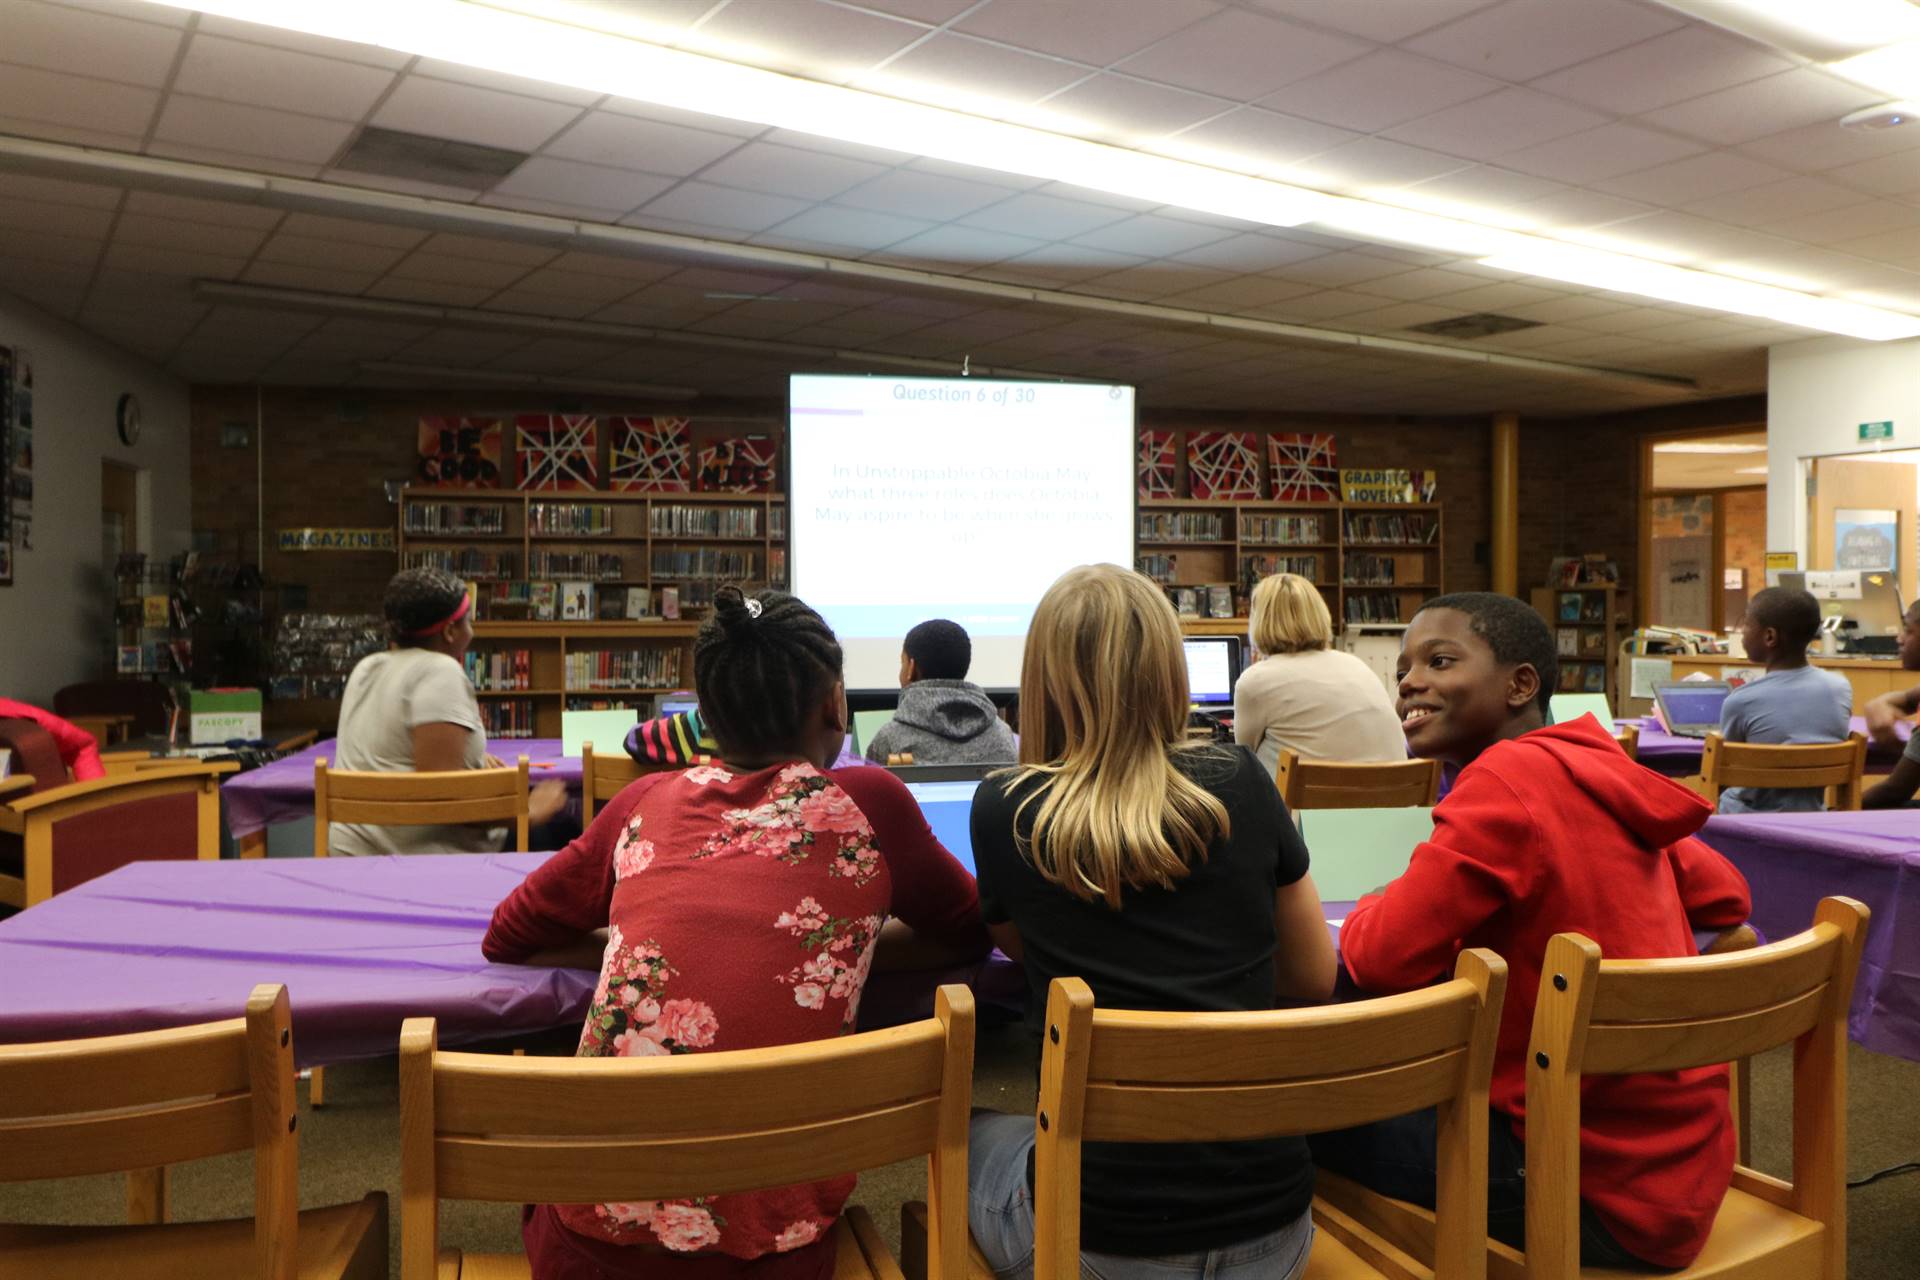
1167	874
1304	695
942	719
1792	702
1883	712
1548	829
743	903
411	709
79	750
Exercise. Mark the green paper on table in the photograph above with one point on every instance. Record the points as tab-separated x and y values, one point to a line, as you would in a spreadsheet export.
1568	707
1355	851
865	725
606	730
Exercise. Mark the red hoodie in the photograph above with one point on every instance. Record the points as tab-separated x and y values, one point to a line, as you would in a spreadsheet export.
78	750
1558	832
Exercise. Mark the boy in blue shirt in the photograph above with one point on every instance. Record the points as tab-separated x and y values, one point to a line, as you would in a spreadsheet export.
1792	703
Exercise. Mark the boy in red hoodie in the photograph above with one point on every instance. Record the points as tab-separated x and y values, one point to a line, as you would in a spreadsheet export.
1548	829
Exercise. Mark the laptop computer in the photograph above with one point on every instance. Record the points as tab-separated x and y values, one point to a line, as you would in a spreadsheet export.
1690	708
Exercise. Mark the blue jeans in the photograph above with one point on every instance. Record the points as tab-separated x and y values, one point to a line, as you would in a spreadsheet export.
1000	1213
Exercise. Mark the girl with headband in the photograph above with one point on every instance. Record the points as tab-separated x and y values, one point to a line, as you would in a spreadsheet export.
412	709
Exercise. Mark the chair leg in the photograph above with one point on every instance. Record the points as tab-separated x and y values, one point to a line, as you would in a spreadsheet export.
147	1195
1740	1090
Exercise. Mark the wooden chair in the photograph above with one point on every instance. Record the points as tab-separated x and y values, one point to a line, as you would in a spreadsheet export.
136	1103
67	835
1127	1076
1835	766
1327	784
1625	1016
602	777
588	1130
419	799
1628	736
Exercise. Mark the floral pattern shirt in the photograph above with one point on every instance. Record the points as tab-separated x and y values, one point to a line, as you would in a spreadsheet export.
742	910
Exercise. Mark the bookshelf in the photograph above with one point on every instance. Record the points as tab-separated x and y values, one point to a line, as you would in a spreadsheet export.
1374	562
1586	632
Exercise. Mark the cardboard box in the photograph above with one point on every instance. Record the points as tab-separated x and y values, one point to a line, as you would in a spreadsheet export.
220	715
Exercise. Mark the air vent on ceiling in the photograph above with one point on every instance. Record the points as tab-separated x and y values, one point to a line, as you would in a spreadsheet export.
1482	324
393	154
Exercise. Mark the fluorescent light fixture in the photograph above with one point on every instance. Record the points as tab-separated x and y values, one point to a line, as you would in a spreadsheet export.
538	39
1894	69
1707	446
1819	29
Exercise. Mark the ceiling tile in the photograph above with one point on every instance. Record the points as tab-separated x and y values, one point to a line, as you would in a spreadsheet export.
1606	152
352	230
286	275
1340	268
1776	202
1153	281
1043	217
1892	175
100	105
1096	32
1818	147
551	208
1058	265
1328	304
441	293
914	193
1414	286
21	186
1253	140
344	255
1482	193
1901	246
210	212
245	130
487	249
1496	124
1371	162
628	142
1862	219
1758	108
789	171
686	119
704	205
443	269
597	289
173	262
523	86
1694	178
196	237
464	113
819	41
54	219
1521	39
56	38
1116	109
1382	89
1241	55
956	248
592	185
934	12
1570	210
1151	236
251	73
832	229
1388	21
557	305
1249	253
1401	315
1243	292
974	75
1696	59
300	42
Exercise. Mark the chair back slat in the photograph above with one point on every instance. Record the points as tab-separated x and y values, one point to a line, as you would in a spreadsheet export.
1262	1048
441	798
449	786
1718	985
1838	765
115	1141
692	1096
1326	784
579	1171
63	1078
621	1129
1619	1048
422	813
1219	1113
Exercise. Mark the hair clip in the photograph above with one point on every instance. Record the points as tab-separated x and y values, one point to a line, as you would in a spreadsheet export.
753	608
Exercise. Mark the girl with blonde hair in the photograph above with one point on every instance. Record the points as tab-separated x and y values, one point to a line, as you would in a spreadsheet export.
1304	695
1168	876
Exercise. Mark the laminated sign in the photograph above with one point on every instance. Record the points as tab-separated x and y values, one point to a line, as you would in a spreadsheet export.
336	540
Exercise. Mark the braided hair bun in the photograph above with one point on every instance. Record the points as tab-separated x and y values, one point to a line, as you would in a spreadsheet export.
761	665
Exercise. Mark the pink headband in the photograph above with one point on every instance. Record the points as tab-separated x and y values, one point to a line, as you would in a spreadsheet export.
466	602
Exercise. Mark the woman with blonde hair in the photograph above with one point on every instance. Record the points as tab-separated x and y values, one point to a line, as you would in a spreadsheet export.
1304	695
1168	876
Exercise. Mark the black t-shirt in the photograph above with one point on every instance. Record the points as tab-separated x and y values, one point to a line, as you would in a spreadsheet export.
1206	945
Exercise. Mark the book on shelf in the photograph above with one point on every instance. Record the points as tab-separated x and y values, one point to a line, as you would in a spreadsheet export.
1181	526
598	565
468	562
639	602
153	611
1593	677
453	518
612	607
1163	569
491	670
576	601
705	522
571	519
507	717
1570	606
1593	607
606	669
670	603
1219	601
126	658
545	598
1186	602
1593	642
1566	642
1281	529
1413	527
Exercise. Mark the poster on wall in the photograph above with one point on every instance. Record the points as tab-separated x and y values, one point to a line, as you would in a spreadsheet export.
557	450
1303	466
737	464
651	455
1866	539
1222	465
459	453
1158	464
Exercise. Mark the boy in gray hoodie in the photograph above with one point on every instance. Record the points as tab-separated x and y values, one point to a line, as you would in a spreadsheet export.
942	719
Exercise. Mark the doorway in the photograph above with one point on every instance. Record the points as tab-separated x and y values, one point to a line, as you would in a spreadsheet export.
1703	528
1861	514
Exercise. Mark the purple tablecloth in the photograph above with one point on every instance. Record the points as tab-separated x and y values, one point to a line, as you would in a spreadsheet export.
1680	757
283	790
1792	860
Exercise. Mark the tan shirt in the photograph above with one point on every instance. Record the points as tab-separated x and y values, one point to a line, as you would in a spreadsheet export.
1322	704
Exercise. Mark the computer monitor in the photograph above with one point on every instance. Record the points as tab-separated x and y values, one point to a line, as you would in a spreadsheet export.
948	809
1213	665
1867	598
669	704
1690	708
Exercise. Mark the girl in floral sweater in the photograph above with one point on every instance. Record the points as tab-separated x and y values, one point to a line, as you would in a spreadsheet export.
743	902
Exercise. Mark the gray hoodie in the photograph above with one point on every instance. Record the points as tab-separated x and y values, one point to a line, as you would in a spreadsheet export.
945	722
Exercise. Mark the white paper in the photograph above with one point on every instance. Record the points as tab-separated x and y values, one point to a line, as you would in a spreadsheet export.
1644	673
1834	584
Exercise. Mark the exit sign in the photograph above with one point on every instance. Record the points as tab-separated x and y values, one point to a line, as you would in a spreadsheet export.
1876	431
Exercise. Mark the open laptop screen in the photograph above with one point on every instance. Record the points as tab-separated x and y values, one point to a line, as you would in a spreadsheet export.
1685	706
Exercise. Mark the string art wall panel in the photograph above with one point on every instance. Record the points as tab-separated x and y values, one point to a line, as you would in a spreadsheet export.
737	464
557	450
1159	464
1222	465
651	455
459	453
1304	469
